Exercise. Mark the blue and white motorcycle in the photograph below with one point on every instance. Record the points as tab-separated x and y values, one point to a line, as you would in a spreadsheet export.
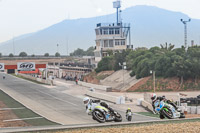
167	110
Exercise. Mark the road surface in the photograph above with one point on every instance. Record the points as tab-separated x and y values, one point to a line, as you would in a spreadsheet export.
51	103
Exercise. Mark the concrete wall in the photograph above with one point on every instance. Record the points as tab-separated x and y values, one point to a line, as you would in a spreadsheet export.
95	86
147	105
48	81
113	99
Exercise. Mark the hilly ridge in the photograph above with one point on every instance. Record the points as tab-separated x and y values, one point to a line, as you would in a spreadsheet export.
150	26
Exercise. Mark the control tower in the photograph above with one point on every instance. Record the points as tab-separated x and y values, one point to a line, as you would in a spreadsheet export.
112	36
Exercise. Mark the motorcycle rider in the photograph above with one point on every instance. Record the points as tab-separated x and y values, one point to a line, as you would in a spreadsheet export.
4	76
154	98
91	104
127	112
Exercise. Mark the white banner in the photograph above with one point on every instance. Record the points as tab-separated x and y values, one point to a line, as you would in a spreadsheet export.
26	66
1	66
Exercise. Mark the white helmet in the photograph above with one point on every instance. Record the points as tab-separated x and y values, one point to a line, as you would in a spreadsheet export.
86	100
153	97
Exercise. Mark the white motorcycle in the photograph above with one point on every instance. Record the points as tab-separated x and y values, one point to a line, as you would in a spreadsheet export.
167	110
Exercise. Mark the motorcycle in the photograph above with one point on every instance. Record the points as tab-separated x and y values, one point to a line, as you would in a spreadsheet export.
102	114
167	110
129	116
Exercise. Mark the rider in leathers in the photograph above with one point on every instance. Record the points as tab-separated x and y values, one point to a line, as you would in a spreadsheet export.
154	98
91	104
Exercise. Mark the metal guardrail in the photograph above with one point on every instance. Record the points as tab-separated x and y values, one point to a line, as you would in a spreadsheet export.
68	127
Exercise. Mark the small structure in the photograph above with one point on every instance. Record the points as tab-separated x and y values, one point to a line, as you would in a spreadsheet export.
112	37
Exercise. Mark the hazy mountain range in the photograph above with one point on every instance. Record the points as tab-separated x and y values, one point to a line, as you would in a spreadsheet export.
150	26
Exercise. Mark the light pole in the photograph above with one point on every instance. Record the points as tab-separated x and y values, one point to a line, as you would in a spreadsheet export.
185	31
154	80
57	48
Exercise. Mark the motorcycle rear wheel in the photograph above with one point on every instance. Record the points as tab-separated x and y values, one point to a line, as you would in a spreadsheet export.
129	118
118	117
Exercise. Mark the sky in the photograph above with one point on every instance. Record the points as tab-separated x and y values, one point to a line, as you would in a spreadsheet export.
18	17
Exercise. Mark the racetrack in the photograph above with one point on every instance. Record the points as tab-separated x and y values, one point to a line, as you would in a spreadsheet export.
52	103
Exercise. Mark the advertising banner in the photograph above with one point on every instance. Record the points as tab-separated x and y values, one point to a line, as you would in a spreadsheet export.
26	66
1	66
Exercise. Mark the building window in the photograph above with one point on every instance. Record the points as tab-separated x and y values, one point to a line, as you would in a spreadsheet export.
117	42
117	31
100	31
105	31
110	43
111	31
105	43
122	42
97	31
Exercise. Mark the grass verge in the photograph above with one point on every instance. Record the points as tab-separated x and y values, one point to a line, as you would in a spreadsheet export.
28	79
23	113
148	114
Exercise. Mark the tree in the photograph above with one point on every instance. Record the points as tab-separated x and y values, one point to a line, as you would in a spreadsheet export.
11	55
57	54
90	51
32	55
105	64
167	47
46	54
23	54
78	52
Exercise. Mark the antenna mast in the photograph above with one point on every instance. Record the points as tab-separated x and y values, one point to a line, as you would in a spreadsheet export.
117	5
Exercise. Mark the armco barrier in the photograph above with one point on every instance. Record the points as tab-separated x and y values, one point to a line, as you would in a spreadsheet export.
146	105
95	86
113	99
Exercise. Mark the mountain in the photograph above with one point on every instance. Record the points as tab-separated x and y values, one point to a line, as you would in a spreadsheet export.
150	26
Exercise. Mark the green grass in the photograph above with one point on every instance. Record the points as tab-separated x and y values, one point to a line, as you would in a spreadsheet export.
23	113
148	114
27	79
101	77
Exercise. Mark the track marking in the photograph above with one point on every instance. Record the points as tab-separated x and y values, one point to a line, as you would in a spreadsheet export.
12	108
138	114
46	93
57	98
22	119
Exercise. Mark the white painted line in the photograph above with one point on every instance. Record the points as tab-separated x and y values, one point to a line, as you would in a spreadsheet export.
138	114
12	108
22	119
45	93
58	98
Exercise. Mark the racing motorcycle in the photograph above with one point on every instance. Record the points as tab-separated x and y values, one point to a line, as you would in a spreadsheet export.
102	114
167	110
129	116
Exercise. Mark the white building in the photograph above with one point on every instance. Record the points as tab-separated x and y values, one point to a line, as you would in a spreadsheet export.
111	36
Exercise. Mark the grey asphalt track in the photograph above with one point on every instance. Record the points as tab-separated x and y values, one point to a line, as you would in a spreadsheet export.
51	103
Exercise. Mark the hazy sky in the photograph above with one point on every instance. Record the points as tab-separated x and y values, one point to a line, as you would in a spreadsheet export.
18	17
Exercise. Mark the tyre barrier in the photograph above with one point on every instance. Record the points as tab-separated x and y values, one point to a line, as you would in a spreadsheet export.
191	101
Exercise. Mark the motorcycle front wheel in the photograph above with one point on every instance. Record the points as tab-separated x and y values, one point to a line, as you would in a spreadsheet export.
99	116
168	113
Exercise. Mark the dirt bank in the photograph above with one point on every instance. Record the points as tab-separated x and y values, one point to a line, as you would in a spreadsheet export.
187	127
